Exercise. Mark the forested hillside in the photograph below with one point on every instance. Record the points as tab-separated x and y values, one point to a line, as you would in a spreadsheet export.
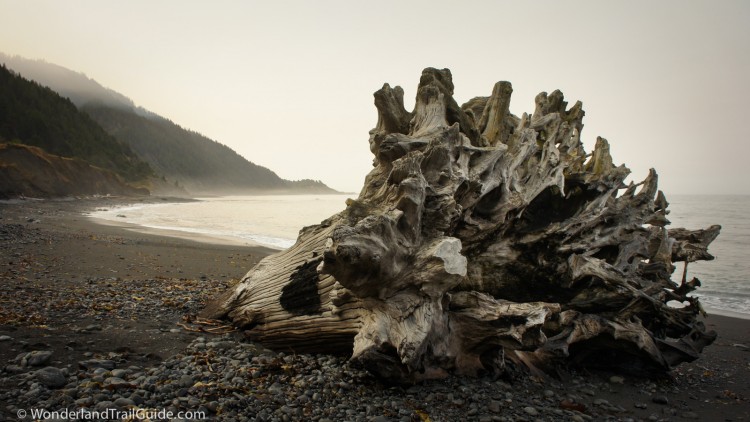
200	164
178	156
76	86
34	115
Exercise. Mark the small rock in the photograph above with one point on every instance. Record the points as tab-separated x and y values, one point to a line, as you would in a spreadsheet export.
531	411
601	402
84	402
660	399
640	405
100	371
137	399
616	379
494	406
124	403
51	377
37	358
221	345
276	388
114	383
5	338
97	363
13	369
104	405
119	373
212	406
186	381
690	415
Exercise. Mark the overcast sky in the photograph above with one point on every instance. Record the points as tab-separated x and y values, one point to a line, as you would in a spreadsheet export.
288	84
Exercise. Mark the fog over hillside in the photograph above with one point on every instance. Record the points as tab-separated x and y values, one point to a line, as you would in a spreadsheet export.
180	157
76	86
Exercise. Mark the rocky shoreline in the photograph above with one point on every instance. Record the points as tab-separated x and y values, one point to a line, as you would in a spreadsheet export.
95	317
226	379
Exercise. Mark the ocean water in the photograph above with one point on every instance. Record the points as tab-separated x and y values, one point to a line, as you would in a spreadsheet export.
726	279
268	220
275	221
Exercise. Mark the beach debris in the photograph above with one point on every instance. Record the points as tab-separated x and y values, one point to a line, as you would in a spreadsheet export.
572	405
481	241
201	325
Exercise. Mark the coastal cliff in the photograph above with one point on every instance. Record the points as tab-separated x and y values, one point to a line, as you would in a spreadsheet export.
30	172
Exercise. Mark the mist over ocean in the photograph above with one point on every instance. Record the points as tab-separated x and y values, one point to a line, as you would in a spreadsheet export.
268	220
275	220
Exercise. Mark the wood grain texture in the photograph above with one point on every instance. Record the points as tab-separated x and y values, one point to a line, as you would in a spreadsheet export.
479	237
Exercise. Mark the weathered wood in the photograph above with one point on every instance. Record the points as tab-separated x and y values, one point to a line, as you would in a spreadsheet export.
479	236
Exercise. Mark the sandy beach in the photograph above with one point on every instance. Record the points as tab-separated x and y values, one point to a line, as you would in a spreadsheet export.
85	291
60	269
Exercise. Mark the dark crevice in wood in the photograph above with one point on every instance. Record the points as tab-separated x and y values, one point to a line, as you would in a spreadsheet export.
300	295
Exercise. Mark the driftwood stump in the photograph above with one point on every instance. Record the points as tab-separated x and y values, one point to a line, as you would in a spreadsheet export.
479	237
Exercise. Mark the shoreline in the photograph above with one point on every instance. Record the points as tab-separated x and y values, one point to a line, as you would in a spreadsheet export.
108	292
726	313
177	234
220	239
224	218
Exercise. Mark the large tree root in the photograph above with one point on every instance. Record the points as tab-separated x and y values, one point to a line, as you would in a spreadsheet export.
479	233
